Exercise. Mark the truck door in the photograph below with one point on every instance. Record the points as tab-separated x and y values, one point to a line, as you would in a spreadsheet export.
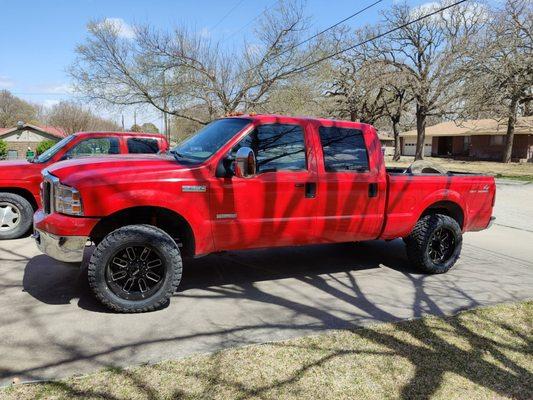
276	207
352	185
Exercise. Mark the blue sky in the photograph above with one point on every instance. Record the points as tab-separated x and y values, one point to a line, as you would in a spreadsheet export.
38	38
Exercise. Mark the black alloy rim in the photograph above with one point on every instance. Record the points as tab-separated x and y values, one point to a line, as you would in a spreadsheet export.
135	272
441	245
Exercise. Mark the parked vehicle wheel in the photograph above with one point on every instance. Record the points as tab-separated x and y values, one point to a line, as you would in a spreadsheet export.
15	216
435	243
135	269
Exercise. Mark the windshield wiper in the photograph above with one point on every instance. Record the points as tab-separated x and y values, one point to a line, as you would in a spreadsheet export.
176	155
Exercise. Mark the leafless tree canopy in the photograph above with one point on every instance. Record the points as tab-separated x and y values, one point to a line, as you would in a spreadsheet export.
71	118
179	71
13	110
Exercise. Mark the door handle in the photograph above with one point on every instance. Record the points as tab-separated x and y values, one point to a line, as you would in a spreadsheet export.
372	189
299	185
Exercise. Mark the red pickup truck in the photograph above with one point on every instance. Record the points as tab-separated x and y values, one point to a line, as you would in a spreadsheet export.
20	180
247	182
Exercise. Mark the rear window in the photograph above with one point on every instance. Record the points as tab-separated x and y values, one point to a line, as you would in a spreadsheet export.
142	146
344	149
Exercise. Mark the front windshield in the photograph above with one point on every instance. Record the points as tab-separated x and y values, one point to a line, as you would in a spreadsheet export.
209	139
48	154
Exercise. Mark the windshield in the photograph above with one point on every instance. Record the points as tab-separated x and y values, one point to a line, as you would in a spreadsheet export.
48	154
209	139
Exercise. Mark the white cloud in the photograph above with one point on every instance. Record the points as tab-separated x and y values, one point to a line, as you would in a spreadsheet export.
204	33
470	10
6	82
123	29
49	103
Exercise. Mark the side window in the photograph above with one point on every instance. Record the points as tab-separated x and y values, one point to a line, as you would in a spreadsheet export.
278	147
95	147
142	146
344	149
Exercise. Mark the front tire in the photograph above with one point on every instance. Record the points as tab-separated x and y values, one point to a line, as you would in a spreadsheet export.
435	243
135	269
15	216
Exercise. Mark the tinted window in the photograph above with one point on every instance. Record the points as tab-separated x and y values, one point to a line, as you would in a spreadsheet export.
344	149
209	139
277	147
95	147
142	146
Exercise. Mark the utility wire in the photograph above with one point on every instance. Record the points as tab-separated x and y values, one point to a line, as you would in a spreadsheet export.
252	20
306	66
227	14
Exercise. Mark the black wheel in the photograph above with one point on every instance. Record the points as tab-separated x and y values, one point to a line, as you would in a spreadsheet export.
135	269
16	215
435	243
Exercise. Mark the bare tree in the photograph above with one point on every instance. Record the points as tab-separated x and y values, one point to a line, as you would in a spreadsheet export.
429	53
14	109
501	68
71	118
179	71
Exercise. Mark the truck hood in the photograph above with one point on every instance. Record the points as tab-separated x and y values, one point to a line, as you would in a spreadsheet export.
114	169
19	170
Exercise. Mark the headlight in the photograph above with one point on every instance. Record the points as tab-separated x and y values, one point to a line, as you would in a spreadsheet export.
67	200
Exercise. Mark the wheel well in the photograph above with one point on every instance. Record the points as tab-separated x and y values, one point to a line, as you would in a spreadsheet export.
167	220
22	193
448	208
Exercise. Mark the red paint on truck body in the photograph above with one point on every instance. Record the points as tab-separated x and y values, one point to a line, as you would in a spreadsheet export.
25	175
271	208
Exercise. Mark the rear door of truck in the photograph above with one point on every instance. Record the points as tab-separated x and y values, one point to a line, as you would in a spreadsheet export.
351	182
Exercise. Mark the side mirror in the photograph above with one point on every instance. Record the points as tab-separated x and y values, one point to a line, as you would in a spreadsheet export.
244	166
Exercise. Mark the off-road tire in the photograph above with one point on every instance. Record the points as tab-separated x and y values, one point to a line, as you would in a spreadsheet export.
26	216
135	235
418	243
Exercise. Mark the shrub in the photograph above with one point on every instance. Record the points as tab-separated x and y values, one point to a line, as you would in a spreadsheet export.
44	145
3	149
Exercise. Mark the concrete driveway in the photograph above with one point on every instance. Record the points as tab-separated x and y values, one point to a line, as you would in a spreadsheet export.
51	327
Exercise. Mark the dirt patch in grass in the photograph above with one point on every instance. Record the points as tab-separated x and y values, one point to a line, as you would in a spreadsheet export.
522	171
478	354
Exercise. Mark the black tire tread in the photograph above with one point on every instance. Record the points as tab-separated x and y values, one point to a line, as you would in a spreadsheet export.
416	242
120	235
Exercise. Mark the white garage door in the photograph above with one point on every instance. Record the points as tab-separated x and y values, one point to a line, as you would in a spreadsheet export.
409	147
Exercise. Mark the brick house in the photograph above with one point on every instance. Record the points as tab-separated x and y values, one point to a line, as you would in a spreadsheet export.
482	139
26	136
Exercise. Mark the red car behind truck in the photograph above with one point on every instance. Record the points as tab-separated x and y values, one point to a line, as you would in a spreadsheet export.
246	182
20	180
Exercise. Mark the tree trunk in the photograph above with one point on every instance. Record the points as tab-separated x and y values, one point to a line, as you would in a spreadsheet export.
510	132
396	132
421	114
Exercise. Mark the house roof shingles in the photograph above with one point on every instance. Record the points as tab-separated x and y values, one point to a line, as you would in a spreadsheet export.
524	126
51	130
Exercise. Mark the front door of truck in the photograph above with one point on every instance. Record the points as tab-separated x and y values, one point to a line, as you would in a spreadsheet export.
276	207
351	190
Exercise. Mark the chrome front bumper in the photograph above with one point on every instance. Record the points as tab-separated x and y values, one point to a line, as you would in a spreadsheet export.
62	248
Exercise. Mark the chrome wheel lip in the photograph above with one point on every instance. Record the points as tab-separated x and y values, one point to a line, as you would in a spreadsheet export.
130	277
441	245
10	216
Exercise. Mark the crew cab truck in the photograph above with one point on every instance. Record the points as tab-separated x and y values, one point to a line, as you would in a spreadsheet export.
20	180
247	182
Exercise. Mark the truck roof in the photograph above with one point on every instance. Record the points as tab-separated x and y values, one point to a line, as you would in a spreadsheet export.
113	133
281	118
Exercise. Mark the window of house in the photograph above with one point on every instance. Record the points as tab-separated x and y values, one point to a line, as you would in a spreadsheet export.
344	149
95	147
142	146
496	140
12	154
277	147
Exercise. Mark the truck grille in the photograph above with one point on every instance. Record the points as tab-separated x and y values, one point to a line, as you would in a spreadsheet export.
46	197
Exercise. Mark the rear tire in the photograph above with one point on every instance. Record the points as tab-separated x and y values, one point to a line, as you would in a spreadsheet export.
435	243
16	216
135	269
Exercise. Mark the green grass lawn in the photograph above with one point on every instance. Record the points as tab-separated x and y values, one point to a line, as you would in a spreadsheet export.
484	353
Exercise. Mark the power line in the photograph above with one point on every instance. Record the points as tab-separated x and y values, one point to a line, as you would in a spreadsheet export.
327	29
306	66
252	20
227	14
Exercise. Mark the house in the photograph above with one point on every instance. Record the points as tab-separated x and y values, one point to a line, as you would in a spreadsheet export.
482	139
387	143
26	136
